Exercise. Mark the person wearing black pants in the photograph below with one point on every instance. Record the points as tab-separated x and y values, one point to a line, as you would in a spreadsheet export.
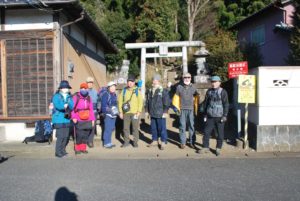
216	108
62	106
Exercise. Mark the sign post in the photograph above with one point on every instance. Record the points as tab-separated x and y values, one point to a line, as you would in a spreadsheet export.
246	94
234	70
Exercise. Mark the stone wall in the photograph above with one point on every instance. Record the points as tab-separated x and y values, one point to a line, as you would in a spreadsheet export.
275	138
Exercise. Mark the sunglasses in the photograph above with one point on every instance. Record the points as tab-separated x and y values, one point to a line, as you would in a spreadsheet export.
187	77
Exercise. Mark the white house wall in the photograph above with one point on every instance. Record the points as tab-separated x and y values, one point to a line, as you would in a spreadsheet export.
277	105
27	16
24	19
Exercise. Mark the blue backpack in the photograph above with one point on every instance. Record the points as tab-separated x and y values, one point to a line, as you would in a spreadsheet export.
43	130
101	92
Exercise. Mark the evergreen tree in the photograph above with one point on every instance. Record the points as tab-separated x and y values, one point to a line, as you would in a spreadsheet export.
223	49
294	56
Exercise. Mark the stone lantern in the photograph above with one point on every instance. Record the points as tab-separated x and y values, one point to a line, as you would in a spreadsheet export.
202	69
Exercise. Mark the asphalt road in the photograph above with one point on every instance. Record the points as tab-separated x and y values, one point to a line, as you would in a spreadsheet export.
157	179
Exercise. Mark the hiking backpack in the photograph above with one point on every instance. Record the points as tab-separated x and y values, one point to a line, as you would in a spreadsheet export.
215	104
43	131
101	92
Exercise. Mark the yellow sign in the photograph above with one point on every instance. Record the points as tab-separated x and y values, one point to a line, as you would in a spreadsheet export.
246	90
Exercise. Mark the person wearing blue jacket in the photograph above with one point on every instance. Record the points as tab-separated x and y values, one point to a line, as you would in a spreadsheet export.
63	105
109	108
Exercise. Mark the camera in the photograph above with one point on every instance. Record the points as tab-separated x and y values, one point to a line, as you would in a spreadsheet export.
67	114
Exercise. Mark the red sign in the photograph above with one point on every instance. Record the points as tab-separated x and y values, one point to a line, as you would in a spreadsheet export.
237	68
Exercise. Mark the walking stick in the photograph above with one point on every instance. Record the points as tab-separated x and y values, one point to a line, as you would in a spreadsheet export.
74	133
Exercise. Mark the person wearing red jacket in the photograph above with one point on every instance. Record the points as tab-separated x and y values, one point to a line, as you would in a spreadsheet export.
83	118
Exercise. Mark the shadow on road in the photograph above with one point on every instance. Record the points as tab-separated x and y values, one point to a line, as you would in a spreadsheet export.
64	194
4	158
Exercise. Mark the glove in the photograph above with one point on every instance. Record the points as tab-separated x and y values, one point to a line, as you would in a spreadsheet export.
205	118
223	119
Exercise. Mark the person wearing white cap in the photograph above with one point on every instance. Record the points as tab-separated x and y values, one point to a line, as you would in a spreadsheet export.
94	97
186	92
216	108
157	105
109	108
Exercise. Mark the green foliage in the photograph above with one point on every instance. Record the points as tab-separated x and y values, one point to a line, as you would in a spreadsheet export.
156	21
294	56
134	67
223	49
251	53
236	10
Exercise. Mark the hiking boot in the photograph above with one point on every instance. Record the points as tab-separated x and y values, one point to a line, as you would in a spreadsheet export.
182	146
152	144
218	152
162	146
204	151
109	146
77	152
59	155
193	146
84	152
90	145
125	145
135	145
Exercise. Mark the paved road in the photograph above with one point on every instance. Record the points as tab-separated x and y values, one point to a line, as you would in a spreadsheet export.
156	179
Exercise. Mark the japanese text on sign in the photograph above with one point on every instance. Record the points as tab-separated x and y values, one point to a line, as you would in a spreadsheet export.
246	90
237	68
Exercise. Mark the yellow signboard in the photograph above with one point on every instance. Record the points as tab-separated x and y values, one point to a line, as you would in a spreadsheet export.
246	90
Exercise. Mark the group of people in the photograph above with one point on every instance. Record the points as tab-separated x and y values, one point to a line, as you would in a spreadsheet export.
78	112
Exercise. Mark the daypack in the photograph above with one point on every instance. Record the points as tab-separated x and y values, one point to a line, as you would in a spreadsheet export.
42	132
84	114
101	92
215	104
124	92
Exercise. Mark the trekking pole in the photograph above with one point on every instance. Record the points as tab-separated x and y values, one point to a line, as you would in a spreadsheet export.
74	139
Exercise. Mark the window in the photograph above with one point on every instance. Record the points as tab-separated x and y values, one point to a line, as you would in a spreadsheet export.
258	35
29	67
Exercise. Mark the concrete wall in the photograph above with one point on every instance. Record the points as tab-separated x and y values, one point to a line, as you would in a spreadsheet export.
274	119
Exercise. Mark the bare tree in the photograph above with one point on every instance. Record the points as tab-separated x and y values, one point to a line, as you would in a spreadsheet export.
194	7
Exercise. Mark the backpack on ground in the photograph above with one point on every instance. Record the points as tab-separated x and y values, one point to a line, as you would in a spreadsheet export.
42	132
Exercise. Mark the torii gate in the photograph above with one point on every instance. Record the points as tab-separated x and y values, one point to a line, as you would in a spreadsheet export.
163	52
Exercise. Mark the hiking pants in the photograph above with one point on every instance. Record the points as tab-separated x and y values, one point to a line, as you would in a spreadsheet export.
158	129
187	117
92	134
62	135
129	119
109	127
211	123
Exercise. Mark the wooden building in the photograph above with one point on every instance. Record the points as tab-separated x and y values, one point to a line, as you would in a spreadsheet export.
42	43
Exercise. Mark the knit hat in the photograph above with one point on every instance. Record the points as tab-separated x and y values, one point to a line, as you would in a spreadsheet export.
215	79
89	79
83	85
64	84
156	77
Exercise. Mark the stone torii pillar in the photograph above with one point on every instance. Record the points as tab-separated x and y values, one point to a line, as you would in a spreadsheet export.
163	52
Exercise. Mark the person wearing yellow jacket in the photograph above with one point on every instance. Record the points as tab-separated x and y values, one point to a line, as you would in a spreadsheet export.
130	103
